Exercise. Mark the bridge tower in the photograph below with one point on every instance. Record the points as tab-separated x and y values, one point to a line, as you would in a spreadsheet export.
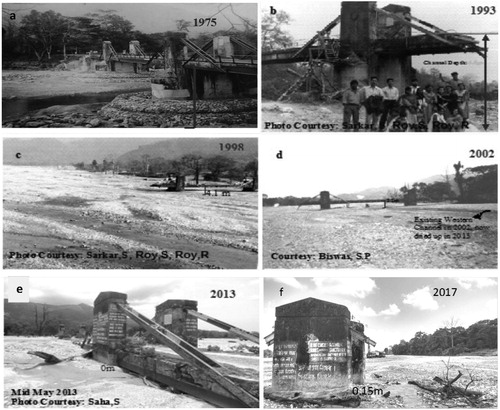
360	26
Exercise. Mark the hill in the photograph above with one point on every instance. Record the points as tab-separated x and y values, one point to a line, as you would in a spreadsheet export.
19	318
68	151
370	193
174	148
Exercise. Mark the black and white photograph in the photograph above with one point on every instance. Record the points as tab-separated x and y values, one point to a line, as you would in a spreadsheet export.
380	342
130	203
132	343
127	65
350	66
423	204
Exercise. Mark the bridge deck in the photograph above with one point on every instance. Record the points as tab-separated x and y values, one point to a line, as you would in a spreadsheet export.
414	45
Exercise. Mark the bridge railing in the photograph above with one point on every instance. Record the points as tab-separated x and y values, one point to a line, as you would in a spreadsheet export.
239	59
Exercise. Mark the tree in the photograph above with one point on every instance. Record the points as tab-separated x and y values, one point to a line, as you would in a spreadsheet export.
145	163
219	164
183	25
41	319
419	344
158	165
194	163
43	31
480	184
252	168
134	166
401	348
393	194
82	33
113	27
450	326
273	34
459	179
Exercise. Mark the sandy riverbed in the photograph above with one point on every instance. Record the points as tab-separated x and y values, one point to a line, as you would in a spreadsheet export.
386	235
31	83
299	115
50	210
392	373
83	376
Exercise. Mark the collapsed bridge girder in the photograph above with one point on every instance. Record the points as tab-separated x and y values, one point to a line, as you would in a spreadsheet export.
191	354
193	372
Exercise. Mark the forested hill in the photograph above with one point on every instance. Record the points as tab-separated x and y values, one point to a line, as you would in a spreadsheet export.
239	149
68	151
42	319
451	341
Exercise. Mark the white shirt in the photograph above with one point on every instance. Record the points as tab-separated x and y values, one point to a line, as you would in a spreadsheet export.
372	91
390	93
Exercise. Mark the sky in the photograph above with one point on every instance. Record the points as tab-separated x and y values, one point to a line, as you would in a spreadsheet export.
349	163
154	17
144	294
391	309
449	16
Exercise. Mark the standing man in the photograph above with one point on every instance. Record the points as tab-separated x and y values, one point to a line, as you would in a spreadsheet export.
351	99
372	98
453	83
391	95
409	104
417	92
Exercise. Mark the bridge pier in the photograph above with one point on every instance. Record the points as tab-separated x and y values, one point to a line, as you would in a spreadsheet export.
173	316
109	326
360	26
324	200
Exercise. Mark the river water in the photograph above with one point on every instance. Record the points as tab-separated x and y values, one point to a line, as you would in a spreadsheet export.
14	108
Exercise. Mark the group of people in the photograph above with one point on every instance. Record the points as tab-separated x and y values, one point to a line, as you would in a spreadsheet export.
417	109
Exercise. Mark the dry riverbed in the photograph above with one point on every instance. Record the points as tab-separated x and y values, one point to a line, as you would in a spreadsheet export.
31	83
359	237
85	376
392	373
304	116
95	220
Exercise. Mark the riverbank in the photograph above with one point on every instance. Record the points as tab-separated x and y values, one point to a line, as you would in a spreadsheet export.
62	99
138	109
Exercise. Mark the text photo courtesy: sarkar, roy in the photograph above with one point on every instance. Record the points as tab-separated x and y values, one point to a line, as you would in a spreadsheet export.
121	203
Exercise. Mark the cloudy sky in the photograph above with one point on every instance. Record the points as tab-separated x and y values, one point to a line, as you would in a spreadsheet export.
350	162
154	17
390	308
144	294
453	17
